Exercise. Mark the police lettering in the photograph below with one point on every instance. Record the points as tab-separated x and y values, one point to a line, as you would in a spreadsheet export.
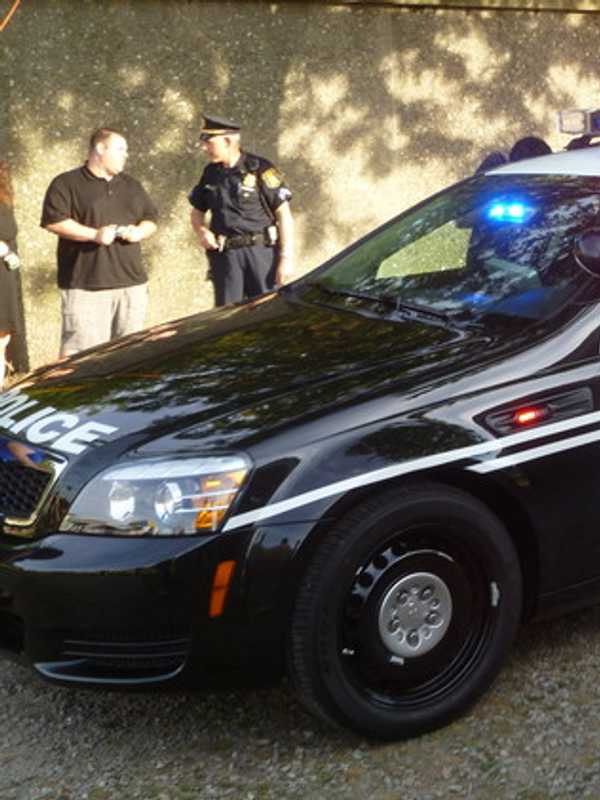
46	424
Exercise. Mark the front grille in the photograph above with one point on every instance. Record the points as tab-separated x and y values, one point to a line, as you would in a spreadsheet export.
24	488
21	489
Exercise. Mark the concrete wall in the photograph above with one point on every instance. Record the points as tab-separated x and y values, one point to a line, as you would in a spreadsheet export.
588	6
367	109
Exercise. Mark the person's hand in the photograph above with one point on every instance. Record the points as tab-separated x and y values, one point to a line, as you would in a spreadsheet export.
285	269
131	233
4	249
207	239
106	234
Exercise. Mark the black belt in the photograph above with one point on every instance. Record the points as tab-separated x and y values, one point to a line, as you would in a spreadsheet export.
244	240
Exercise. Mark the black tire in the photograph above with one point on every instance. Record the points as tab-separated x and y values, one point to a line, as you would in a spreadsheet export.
406	612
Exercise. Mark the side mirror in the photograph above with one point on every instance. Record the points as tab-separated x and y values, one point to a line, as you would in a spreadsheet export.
586	251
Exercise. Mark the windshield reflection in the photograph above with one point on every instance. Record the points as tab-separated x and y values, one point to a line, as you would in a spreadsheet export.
494	245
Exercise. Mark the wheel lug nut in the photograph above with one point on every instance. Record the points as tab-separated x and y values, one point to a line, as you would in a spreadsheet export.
426	593
413	638
393	625
432	618
402	598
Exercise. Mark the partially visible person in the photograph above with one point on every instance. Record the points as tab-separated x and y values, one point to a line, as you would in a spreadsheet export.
100	215
18	451
529	147
241	217
13	346
579	142
492	160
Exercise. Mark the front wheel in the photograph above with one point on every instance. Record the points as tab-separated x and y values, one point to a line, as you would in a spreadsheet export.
406	612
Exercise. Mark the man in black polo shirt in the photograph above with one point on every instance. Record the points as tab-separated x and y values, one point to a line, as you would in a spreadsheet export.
249	236
100	215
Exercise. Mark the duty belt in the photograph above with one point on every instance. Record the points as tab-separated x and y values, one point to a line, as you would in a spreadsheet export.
245	240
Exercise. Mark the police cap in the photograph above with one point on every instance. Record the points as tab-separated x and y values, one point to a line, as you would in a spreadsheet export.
216	126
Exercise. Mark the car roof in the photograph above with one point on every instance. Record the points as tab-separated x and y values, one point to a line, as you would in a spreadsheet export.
585	161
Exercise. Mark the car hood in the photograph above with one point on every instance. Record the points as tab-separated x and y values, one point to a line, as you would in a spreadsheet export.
231	373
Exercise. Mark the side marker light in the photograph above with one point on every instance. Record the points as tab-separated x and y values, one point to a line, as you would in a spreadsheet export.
528	416
220	587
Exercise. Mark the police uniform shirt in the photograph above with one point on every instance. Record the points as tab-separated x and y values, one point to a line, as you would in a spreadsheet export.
95	202
242	198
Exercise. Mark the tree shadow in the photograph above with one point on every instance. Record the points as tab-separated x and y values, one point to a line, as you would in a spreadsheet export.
366	109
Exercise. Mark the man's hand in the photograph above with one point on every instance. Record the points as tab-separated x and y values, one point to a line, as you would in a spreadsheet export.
106	234
285	269
130	233
135	233
4	249
207	239
285	225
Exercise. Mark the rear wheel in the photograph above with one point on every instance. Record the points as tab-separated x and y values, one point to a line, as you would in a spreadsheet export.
406	612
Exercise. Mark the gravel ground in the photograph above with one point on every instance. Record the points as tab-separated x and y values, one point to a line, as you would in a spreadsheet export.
533	737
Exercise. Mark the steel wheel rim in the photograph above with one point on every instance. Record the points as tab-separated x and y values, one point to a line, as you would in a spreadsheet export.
389	679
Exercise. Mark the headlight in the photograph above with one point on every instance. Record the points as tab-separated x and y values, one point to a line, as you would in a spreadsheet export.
159	497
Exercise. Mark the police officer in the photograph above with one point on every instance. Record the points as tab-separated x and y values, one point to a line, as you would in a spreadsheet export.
241	216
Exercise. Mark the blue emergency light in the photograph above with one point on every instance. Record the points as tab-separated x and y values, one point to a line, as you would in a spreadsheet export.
509	211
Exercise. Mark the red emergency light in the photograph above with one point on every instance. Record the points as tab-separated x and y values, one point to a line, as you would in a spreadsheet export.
530	415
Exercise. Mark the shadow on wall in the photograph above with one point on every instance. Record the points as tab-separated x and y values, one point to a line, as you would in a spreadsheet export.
366	109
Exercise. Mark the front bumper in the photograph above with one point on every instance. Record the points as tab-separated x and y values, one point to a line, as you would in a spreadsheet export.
135	612
107	610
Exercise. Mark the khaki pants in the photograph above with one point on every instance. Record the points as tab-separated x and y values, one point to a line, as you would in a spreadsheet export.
90	318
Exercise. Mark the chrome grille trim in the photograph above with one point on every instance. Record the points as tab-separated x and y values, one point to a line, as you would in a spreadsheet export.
19	525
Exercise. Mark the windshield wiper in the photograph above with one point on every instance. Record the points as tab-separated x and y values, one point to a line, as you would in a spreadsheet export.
385	299
457	319
460	318
411	309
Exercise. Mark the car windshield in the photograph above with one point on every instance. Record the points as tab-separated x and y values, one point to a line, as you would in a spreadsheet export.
493	245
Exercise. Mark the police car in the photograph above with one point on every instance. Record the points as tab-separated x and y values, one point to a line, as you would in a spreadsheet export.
367	479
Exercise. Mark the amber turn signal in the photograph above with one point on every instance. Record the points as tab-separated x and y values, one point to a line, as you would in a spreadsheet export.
220	587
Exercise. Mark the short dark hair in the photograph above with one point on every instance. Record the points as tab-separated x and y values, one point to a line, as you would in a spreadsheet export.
493	159
529	147
578	142
102	134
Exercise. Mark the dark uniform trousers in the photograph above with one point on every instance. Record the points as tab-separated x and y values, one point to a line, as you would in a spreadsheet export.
242	272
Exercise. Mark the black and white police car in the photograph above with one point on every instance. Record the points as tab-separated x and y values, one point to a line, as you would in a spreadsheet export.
368	479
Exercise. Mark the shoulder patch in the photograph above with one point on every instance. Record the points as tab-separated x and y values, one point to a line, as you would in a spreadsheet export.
272	178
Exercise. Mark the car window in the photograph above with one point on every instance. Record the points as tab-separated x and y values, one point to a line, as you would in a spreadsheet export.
491	245
442	249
